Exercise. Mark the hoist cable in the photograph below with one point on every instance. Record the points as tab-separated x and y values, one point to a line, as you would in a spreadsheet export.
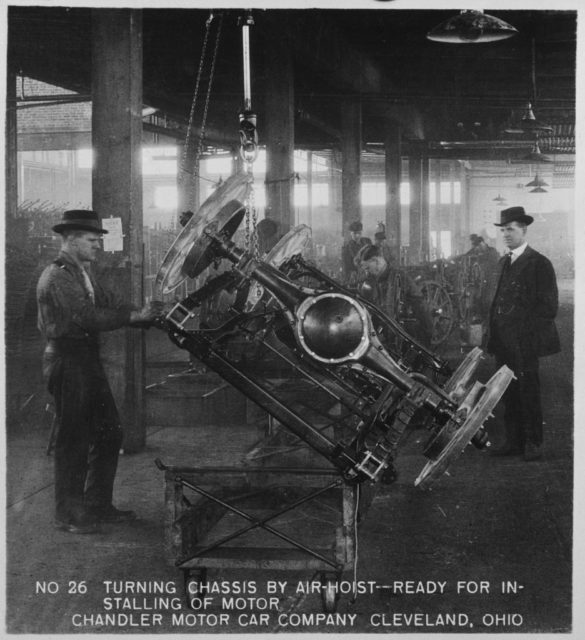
187	146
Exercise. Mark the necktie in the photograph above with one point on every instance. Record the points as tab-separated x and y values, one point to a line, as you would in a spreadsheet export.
88	285
507	262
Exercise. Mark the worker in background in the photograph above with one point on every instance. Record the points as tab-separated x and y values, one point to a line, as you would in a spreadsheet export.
480	248
349	253
483	259
73	308
383	249
522	330
378	275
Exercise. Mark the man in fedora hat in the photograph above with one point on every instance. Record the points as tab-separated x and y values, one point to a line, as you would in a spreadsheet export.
521	330
73	309
350	251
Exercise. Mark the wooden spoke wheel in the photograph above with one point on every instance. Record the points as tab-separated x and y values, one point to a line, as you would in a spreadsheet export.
440	307
465	303
395	302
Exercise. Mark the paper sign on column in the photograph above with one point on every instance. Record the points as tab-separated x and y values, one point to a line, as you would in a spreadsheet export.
113	240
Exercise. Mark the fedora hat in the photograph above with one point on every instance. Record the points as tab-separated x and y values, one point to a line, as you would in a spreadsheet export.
513	214
356	226
80	219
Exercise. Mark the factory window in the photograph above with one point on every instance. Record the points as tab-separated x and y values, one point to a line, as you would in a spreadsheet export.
320	164
321	195
220	166
456	193
405	193
166	197
445	244
259	196
373	194
300	162
300	195
159	161
319	192
84	158
259	193
445	194
259	165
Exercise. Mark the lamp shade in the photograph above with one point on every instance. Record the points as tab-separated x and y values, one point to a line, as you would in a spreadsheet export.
537	182
538	190
529	121
536	156
471	26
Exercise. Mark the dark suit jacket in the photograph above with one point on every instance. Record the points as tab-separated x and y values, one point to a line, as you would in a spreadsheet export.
524	307
348	253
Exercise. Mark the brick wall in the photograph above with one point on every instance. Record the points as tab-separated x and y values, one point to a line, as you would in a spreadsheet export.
73	116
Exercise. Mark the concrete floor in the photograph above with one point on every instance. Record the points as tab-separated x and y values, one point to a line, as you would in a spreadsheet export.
491	521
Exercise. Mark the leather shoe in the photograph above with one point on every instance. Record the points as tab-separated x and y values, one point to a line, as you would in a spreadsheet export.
111	514
80	526
532	452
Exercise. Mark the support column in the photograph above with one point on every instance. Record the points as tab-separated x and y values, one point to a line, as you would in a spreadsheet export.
310	189
393	173
14	231
463	226
415	211
117	192
351	145
278	133
336	207
425	208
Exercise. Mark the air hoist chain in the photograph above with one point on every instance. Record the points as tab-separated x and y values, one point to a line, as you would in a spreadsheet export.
184	158
249	152
249	145
187	145
208	96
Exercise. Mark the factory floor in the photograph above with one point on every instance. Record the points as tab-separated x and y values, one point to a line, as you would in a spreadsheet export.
487	549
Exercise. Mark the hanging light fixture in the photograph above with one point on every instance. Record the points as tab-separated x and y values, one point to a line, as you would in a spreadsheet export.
499	199
538	190
535	155
529	123
471	26
537	182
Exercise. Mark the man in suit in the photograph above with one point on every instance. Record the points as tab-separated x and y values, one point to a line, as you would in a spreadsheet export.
73	310
521	330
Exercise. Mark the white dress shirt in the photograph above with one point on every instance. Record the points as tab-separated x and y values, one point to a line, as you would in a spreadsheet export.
517	252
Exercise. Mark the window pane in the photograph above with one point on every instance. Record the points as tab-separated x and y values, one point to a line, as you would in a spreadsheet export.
445	244
85	158
320	195
221	166
300	195
445	193
159	161
165	197
373	193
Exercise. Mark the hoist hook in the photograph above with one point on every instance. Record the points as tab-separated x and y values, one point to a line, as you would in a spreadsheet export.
247	118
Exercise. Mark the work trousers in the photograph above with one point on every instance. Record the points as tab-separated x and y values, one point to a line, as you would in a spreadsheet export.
522	405
89	435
